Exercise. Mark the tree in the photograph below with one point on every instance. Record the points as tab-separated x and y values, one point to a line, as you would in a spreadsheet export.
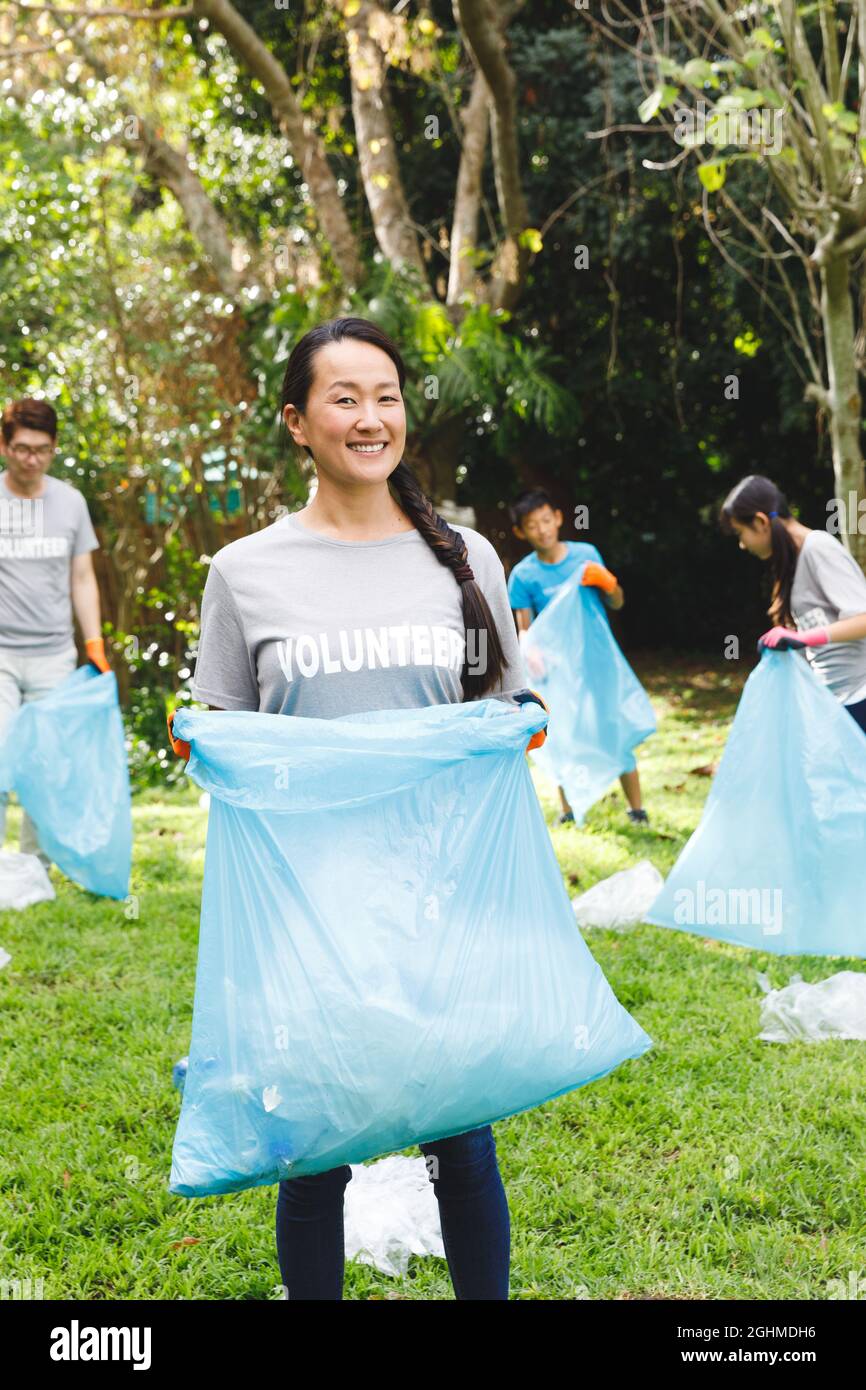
780	92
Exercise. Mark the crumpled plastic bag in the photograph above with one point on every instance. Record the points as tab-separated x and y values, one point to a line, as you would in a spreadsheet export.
622	900
65	757
599	711
23	880
4	957
387	952
778	861
390	1212
803	1012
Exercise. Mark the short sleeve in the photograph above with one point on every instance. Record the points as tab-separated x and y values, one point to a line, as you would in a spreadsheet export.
518	594
224	674
838	577
490	575
85	537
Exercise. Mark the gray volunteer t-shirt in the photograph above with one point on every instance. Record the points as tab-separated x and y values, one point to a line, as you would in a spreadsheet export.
829	585
297	623
38	538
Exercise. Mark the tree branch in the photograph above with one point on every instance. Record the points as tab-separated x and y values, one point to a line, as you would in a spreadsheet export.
110	12
484	39
171	169
367	28
746	274
305	144
467	200
800	335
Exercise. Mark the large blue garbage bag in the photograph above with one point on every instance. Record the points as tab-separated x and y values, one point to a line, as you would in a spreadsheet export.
778	861
65	758
387	951
599	711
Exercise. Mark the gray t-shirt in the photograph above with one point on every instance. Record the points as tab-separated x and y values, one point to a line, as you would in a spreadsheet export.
297	623
829	585
38	538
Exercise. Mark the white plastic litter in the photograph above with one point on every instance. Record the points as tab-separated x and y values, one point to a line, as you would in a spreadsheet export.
833	1008
23	880
4	957
621	900
390	1213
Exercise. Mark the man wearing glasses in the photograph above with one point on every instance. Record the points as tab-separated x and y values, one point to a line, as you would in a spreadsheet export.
46	572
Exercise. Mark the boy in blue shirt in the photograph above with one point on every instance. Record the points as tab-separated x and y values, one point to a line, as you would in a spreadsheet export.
534	581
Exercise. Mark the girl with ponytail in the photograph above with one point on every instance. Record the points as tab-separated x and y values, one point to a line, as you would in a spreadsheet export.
364	599
818	599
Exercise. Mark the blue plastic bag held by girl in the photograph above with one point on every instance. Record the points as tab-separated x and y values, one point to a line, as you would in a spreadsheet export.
387	952
778	861
599	711
65	758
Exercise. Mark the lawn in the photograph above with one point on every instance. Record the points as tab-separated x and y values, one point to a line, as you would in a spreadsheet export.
716	1166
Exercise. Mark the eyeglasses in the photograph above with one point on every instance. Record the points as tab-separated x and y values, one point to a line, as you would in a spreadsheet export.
24	451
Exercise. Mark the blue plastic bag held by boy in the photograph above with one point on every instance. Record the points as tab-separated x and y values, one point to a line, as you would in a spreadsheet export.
387	952
778	861
65	758
599	711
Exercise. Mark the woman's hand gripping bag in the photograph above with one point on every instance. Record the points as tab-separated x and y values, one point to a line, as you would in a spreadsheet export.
387	952
599	711
778	861
65	758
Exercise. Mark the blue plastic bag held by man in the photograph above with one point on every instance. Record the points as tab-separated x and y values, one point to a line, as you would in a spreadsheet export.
778	861
387	951
599	711
65	758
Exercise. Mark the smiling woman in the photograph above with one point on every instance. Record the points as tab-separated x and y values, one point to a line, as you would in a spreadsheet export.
365	600
347	413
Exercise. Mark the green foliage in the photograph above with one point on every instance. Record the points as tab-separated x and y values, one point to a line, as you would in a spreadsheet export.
605	384
683	1174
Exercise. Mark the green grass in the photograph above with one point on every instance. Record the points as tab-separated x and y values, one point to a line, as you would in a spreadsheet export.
716	1166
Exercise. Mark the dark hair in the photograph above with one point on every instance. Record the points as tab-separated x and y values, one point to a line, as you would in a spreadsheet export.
756	494
28	414
527	502
447	545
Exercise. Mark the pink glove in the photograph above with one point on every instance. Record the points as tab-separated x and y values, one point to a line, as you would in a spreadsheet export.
782	638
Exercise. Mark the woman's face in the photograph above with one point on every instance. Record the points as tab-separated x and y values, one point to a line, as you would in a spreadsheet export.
755	536
355	420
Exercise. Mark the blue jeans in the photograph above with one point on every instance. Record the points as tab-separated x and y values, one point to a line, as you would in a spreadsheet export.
473	1211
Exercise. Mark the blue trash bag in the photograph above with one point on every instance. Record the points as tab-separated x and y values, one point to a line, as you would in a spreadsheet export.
387	952
64	756
778	861
599	711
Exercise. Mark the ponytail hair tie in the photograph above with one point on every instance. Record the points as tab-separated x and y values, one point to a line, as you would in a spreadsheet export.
463	574
772	514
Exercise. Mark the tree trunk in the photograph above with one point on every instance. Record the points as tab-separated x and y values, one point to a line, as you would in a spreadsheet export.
484	36
467	203
374	137
837	313
171	169
305	143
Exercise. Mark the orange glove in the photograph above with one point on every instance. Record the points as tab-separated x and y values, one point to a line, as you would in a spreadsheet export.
180	748
599	577
524	697
95	649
